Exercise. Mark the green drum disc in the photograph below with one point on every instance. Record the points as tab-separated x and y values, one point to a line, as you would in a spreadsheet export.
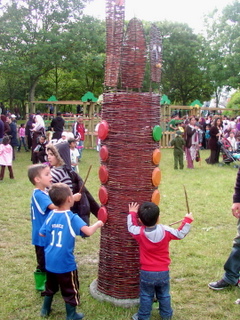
157	133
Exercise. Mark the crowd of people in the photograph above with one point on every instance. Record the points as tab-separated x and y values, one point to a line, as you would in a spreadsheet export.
191	134
61	207
33	136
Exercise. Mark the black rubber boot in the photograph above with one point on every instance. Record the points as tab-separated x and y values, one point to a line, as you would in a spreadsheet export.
72	314
46	307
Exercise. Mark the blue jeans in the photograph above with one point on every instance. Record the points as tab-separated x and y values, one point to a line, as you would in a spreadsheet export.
154	283
80	148
232	265
22	141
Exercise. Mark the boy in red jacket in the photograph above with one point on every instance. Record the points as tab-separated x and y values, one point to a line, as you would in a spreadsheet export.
153	242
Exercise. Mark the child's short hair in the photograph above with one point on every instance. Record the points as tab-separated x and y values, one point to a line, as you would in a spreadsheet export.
70	140
149	213
5	140
59	193
35	170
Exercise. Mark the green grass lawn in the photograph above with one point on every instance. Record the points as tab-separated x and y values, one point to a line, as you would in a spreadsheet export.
196	260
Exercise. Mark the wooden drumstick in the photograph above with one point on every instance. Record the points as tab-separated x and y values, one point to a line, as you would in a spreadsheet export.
186	197
89	169
188	210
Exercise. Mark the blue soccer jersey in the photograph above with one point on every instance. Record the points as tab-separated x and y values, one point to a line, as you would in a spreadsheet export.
60	230
39	211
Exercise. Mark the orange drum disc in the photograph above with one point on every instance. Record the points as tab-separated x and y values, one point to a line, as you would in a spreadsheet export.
103	195
103	174
102	214
156	177
156	157
103	130
156	197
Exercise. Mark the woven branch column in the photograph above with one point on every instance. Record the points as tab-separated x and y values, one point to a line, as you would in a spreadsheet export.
131	117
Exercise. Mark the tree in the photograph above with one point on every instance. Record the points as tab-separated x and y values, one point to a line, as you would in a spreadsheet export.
87	54
223	47
83	67
31	40
183	76
234	102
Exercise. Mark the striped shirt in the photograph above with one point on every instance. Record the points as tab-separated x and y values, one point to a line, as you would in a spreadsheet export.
60	175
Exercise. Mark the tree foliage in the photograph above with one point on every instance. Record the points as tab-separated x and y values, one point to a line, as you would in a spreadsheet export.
184	78
31	40
50	47
234	103
223	47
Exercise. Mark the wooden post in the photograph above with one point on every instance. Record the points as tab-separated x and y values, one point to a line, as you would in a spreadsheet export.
55	110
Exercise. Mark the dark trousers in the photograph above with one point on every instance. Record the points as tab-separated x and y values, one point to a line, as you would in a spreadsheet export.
178	159
29	142
214	156
68	283
40	258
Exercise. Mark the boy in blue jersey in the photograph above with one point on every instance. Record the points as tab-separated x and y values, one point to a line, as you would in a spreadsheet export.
60	229
41	205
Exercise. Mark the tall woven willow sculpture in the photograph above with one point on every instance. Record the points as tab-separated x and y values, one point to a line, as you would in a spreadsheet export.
129	154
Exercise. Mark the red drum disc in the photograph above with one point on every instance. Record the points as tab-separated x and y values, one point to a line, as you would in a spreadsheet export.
102	214
103	174
103	195
104	153
103	130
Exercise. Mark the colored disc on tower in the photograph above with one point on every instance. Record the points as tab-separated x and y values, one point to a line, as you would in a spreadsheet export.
104	153
156	177
103	174
102	214
156	157
103	195
103	130
156	197
157	133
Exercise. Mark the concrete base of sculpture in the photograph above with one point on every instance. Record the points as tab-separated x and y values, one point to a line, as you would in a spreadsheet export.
126	303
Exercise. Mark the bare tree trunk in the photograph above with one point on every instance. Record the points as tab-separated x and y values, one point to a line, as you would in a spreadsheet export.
56	81
32	93
218	95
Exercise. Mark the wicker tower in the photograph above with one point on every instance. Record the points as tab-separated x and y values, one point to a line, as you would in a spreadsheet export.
129	154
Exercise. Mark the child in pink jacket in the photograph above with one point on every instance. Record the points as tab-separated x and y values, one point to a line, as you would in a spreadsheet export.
6	154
